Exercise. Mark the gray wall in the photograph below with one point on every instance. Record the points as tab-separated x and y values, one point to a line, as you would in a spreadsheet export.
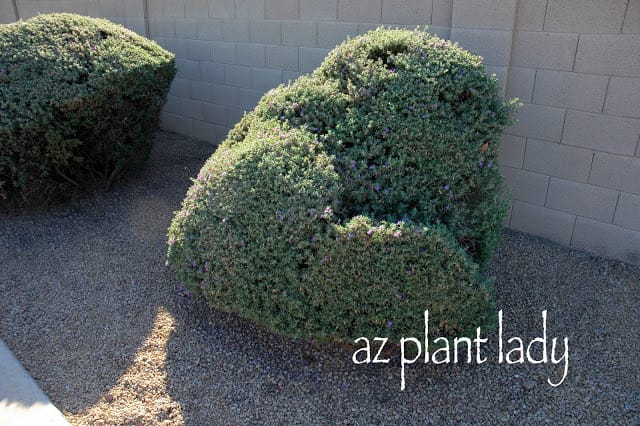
572	162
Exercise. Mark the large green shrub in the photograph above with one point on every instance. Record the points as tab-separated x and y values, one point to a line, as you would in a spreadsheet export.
79	98
348	202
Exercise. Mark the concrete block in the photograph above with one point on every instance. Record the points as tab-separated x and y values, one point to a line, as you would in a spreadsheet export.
223	9
330	34
484	14
628	212
601	132
264	79
180	88
413	12
520	83
176	123
632	19
609	54
616	172
585	16
530	15
539	122
209	29
225	95
288	76
177	46
570	90
248	98
441	14
582	199
186	28
162	27
235	31
314	10
173	105
607	240
283	57
541	221
442	32
222	51
204	131
133	9
251	54
202	91
542	50
311	58
511	151
494	46
196	9
174	8
360	11
250	9
623	97
234	115
213	113
212	72
137	25
198	50
559	160
154	7
108	8
265	32
192	109
296	33
188	69
526	186
282	9
237	75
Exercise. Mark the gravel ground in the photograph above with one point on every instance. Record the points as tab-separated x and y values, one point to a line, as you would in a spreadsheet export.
91	311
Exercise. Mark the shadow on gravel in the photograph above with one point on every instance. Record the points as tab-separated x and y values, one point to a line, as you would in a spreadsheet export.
84	288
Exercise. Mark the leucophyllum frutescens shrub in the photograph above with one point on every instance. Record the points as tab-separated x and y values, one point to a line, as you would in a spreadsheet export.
79	98
351	200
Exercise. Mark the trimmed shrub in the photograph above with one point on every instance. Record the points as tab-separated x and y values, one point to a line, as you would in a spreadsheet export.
80	99
351	200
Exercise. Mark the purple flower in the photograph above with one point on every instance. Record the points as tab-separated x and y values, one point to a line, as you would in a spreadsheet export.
314	238
376	187
295	105
314	129
446	187
353	165
387	130
450	195
421	250
410	271
194	265
350	235
410	107
389	323
172	242
448	207
490	164
400	296
398	223
371	231
480	163
397	234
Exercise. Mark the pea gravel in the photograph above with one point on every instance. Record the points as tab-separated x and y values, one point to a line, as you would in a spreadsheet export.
91	311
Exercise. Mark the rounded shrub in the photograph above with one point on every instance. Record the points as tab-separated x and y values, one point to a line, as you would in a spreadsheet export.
80	99
351	200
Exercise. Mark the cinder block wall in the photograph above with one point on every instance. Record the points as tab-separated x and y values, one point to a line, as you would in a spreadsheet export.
572	162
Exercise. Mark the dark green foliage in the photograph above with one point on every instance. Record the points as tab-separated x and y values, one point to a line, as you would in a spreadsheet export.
79	99
351	200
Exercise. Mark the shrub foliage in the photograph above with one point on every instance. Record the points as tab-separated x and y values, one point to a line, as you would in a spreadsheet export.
351	200
79	98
